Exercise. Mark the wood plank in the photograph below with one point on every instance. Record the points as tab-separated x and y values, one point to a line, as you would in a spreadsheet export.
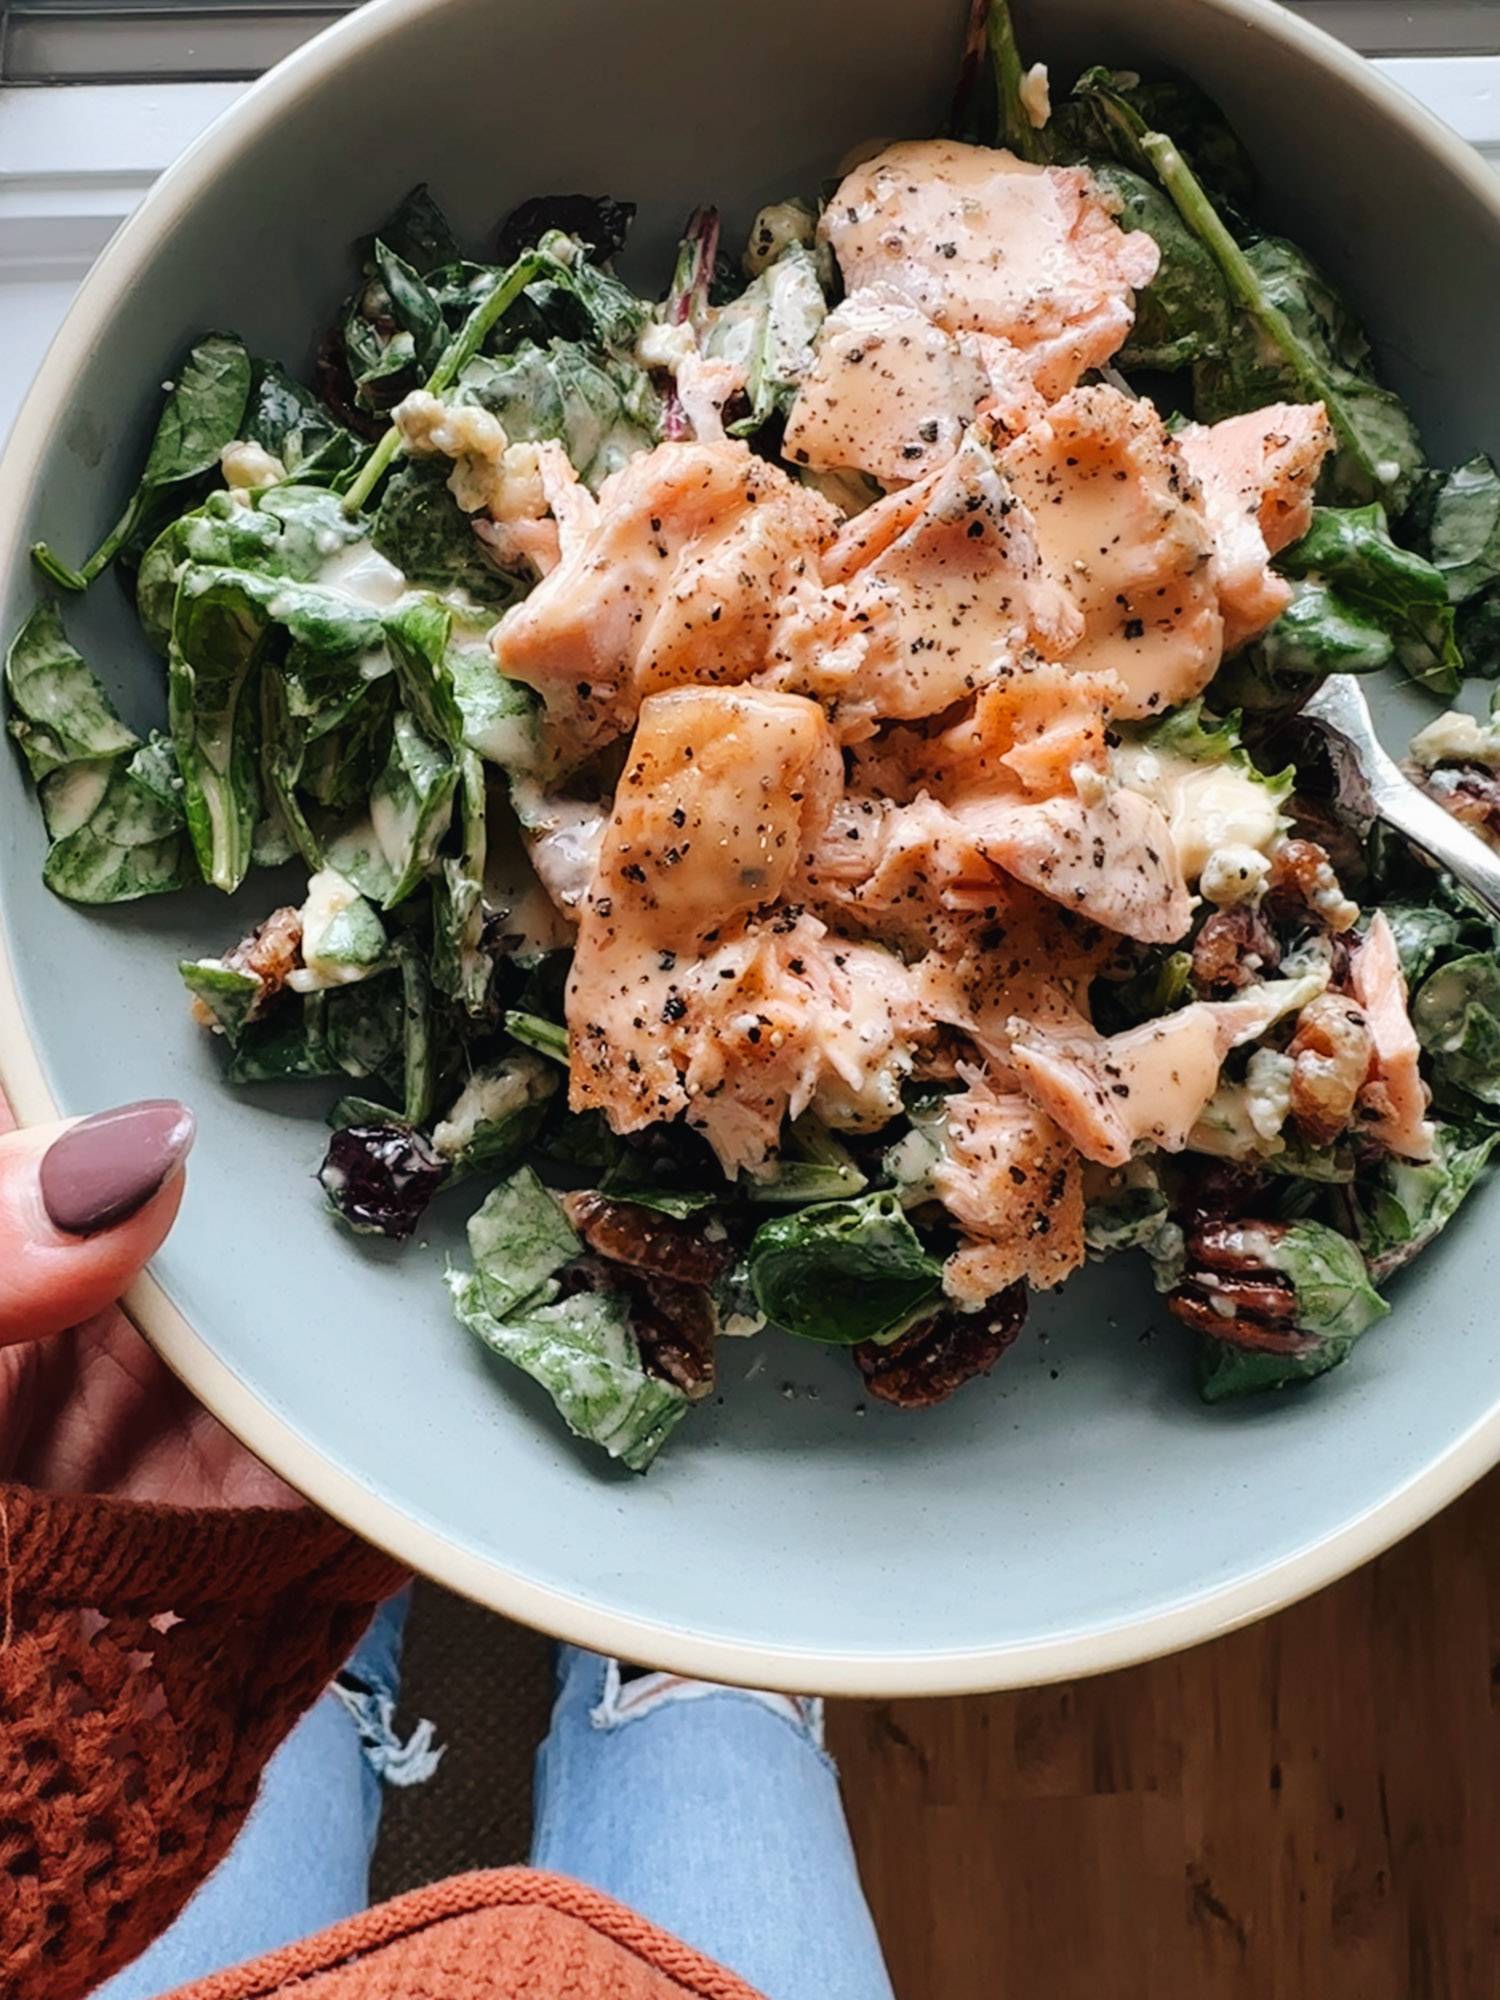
1307	1810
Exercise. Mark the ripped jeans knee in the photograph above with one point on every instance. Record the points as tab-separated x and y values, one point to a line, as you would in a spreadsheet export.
620	1702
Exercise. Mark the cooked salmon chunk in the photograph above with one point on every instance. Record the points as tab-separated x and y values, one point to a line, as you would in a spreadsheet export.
680	578
1257	474
692	994
891	393
928	595
1013	1183
1394	1102
1120	523
982	241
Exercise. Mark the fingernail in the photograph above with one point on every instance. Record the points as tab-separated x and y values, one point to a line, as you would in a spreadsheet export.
108	1166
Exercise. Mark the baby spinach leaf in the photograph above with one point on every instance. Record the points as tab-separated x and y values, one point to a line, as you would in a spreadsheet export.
461	967
419	232
1456	1013
417	632
154	769
411	805
113	841
219	639
230	994
1335	1304
601	409
59	712
1183	315
343	939
412	306
419	1041
580	1348
1349	549
497	1114
1401	1205
1422	931
1463	528
202	414
343	1031
421	528
845	1271
295	426
1321	632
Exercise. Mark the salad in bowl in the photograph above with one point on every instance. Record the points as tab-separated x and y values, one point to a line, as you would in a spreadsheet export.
793	777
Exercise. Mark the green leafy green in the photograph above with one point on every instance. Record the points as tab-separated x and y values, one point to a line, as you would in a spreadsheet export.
113	839
1460	527
1287	341
1422	932
293	425
343	938
1320	633
461	966
1129	1214
1401	1205
581	1347
343	1031
421	528
219	638
601	409
1350	550
497	1114
548	1038
418	1035
418	232
1335	1304
202	414
231	994
1456	1013
1183	315
411	805
844	1271
59	712
770	331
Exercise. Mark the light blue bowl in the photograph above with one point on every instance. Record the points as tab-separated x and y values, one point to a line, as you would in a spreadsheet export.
1079	1510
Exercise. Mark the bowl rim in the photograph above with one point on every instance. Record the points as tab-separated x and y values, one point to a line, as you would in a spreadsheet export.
1125	1640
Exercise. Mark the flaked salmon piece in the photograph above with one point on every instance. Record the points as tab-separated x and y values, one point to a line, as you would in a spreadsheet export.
680	577
1257	473
980	240
1150	1084
1111	1093
705	383
1035	727
891	393
929	595
1120	523
1108	857
1014	1185
695	991
544	510
1395	1100
723	794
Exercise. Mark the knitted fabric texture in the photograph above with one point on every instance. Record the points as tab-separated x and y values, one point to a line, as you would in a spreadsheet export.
507	1934
151	1659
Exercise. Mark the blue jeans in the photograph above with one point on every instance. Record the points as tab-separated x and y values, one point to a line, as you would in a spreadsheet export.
713	1811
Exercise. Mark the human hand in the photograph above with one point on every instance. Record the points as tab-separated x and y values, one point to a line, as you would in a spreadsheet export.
86	1406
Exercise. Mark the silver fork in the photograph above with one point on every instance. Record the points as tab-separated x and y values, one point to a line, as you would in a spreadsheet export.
1373	786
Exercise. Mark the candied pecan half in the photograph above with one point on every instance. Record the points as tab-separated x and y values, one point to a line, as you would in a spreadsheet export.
1218	1190
1303	885
674	1324
940	1354
1469	791
666	1245
1333	1053
1234	948
272	951
1231	1294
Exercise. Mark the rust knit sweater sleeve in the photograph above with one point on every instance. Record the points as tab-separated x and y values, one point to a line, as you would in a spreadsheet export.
510	1934
151	1659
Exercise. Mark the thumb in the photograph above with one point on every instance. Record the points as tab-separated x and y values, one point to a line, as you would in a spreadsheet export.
82	1207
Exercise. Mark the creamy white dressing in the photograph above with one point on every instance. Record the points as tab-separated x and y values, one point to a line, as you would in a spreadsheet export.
337	947
361	573
1456	738
1208	807
489	1097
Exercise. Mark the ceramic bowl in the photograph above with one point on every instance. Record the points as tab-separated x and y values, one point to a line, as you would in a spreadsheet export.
1081	1508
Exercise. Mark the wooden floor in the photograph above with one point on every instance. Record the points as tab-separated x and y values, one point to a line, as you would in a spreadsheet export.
1308	1810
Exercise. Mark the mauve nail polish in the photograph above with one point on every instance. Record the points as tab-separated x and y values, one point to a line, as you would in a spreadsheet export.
110	1165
